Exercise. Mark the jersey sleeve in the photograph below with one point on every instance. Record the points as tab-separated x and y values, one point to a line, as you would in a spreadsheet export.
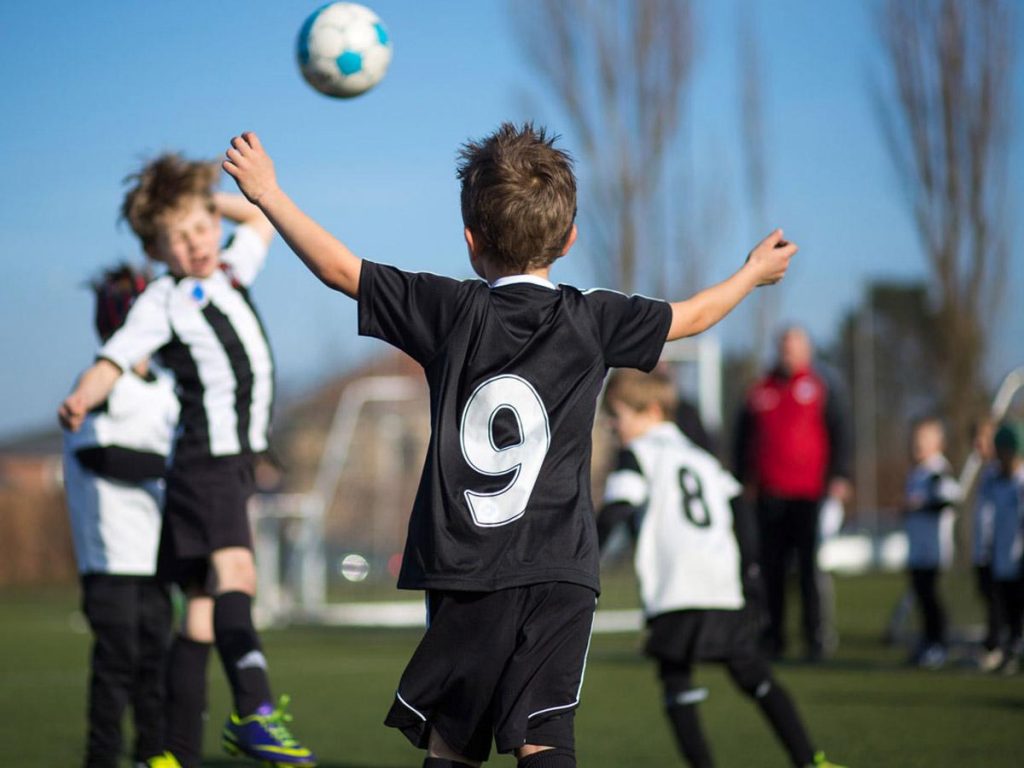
943	491
145	330
632	328
626	483
245	254
625	494
414	311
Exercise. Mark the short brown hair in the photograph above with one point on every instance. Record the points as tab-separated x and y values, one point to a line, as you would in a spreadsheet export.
640	390
162	185
518	196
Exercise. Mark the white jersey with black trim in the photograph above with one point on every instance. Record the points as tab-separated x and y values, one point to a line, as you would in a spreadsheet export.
686	556
208	333
115	524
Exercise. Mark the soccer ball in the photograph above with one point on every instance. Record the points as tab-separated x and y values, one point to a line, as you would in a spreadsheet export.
344	50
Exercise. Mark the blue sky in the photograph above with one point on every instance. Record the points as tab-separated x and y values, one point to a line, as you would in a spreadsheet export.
92	88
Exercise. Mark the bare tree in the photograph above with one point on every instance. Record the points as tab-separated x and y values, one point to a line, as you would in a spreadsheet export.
945	113
752	93
619	69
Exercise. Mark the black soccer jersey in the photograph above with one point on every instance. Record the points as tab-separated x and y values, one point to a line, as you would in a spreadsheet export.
514	371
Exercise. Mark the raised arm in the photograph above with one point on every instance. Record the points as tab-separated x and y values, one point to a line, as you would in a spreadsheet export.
325	256
765	265
239	210
92	389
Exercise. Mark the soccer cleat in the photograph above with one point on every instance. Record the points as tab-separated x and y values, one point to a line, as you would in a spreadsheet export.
264	736
166	760
932	657
990	661
820	761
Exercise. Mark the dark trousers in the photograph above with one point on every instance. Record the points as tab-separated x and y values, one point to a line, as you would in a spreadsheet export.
788	528
994	621
1010	595
130	617
924	582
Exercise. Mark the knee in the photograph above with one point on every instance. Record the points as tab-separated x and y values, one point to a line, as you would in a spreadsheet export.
752	677
531	756
235	570
680	691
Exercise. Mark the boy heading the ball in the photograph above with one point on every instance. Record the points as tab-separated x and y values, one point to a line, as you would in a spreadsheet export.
502	533
200	323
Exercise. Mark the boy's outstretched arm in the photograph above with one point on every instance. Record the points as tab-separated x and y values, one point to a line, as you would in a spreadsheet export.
327	258
765	265
92	389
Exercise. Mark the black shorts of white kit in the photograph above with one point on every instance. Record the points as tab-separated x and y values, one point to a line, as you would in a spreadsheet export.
206	509
692	636
506	664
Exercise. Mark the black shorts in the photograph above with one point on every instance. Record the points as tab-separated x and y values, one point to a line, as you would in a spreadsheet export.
692	636
205	509
506	664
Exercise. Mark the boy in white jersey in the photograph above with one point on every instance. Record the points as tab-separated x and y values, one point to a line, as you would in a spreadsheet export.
692	556
113	478
502	532
199	320
931	493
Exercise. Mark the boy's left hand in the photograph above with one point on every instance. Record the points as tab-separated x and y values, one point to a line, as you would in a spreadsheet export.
251	167
72	412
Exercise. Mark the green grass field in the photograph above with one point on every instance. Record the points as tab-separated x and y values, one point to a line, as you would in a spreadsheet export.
864	707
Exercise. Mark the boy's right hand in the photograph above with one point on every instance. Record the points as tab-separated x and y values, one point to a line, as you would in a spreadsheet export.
251	167
770	258
72	412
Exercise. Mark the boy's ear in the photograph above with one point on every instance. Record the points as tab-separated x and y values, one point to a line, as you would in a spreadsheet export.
569	241
471	242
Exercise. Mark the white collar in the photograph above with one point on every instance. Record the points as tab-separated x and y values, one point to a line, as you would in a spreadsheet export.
531	279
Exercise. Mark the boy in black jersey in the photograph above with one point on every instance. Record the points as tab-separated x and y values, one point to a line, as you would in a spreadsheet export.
502	534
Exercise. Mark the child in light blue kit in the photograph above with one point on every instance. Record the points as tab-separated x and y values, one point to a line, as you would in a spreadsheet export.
1002	494
931	493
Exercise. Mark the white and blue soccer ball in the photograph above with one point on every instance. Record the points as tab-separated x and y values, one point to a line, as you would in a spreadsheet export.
344	49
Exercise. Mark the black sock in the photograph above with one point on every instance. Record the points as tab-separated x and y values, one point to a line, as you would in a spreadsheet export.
689	735
186	700
440	762
780	711
240	653
549	758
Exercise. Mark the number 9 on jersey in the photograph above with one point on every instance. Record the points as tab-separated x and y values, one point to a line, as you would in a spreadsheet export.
523	459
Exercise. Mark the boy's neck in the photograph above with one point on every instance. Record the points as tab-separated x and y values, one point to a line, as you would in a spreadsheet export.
493	275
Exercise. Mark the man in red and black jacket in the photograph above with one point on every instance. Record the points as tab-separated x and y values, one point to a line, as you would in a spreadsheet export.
792	452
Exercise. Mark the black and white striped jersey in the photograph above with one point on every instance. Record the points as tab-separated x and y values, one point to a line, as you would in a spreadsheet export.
207	332
113	469
514	371
687	555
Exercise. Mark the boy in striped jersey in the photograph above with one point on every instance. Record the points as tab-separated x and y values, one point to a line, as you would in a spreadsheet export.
113	470
694	562
199	320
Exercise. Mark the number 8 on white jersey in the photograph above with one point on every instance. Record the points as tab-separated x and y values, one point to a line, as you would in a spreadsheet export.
524	459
